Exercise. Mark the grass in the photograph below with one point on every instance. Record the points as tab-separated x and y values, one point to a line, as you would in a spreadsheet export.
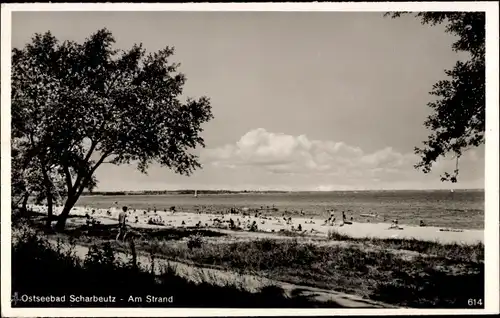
433	275
38	268
419	281
455	251
422	281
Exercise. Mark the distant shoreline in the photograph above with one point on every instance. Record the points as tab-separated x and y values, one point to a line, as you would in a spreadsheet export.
223	192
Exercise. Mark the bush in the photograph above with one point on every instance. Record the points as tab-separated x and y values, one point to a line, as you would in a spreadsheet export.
380	274
40	268
334	235
100	257
195	241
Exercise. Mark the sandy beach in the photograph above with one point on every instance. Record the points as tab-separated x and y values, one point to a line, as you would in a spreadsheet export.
272	224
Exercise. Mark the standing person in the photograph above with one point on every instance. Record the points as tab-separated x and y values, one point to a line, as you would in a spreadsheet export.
332	217
122	221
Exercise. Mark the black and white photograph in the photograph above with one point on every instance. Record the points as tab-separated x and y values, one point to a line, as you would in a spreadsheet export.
249	158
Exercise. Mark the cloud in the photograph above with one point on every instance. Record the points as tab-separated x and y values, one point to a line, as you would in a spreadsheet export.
262	160
285	154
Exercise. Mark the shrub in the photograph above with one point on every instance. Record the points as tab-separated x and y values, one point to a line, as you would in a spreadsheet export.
100	257
51	272
195	241
334	235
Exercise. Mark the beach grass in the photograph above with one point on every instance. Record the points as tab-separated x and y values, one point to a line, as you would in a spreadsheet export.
411	280
39	268
376	274
401	272
453	251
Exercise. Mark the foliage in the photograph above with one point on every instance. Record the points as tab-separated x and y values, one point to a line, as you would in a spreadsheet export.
27	179
76	106
458	119
195	241
397	277
97	257
103	275
334	235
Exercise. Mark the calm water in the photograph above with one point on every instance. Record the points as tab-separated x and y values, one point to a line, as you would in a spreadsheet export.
459	209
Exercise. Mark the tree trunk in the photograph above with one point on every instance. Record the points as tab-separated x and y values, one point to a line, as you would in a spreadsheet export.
73	195
70	203
24	206
61	220
50	203
50	206
48	194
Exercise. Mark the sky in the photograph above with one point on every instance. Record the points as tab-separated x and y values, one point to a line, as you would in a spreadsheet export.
302	100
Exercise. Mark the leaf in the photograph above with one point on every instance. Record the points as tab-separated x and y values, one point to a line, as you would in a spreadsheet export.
457	122
74	105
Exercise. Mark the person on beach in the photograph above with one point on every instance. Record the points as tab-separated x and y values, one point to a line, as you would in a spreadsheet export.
122	222
114	209
331	219
253	227
394	224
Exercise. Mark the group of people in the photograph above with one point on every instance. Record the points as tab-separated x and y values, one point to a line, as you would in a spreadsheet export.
157	220
395	224
252	226
90	221
331	220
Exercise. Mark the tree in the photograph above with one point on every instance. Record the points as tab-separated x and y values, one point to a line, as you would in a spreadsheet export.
458	119
29	181
78	106
20	191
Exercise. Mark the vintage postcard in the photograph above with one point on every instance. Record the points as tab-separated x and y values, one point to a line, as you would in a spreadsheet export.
249	159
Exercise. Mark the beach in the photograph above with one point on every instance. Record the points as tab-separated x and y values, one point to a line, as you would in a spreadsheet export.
311	227
370	263
461	209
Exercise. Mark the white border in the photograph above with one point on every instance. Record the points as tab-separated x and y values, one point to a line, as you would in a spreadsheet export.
302	6
491	174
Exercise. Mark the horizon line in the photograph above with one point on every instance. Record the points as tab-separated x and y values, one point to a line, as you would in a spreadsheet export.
278	190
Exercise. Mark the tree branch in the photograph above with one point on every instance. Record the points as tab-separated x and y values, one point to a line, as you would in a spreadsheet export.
101	160
91	173
81	173
91	150
112	83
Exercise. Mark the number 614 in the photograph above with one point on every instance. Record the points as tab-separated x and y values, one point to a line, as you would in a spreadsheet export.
475	302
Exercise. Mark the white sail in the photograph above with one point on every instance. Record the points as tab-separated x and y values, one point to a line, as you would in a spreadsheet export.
195	193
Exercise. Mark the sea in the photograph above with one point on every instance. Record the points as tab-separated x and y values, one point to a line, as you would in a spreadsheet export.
462	209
